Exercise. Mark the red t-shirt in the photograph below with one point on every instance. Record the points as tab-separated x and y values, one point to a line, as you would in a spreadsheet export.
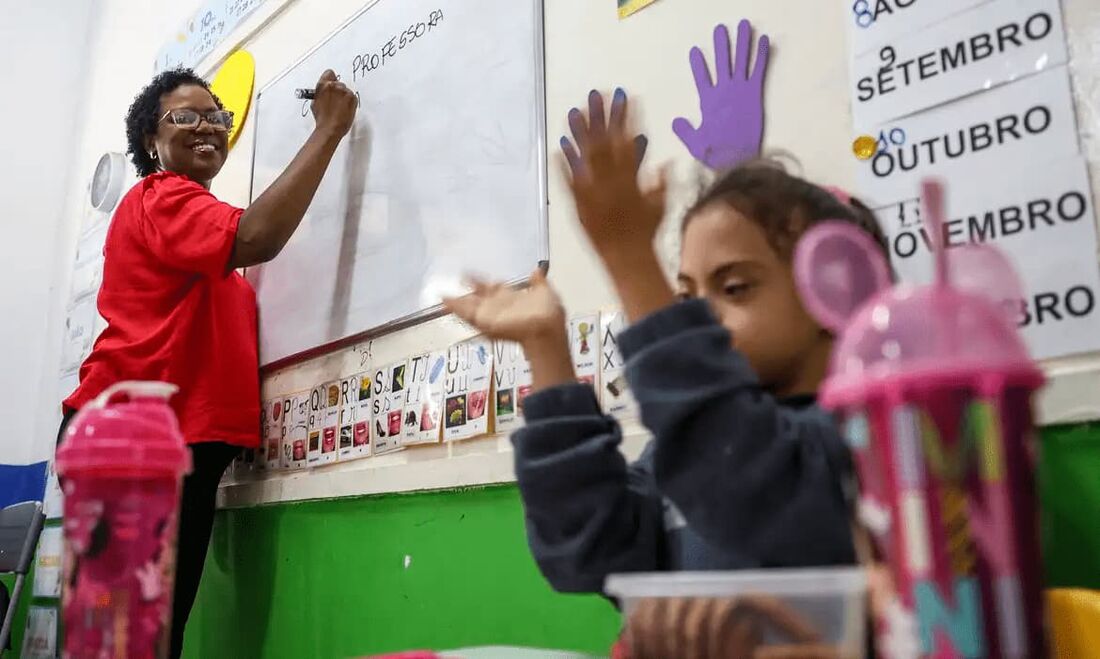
173	312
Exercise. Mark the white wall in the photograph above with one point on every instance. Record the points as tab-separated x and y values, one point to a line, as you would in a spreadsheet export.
586	47
43	61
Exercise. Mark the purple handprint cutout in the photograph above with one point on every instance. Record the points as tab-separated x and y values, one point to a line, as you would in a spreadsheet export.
732	104
579	127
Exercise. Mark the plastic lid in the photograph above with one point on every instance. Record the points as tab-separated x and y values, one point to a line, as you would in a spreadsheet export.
789	582
129	429
955	329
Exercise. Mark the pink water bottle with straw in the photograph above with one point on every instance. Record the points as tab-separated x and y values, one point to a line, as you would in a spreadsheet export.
933	385
121	462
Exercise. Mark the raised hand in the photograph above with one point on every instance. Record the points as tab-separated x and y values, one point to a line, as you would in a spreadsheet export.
576	124
334	105
525	316
616	213
731	103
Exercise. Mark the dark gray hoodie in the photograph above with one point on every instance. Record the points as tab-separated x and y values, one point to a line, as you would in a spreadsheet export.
733	478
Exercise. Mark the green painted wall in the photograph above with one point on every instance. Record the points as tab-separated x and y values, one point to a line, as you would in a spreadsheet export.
330	579
1069	484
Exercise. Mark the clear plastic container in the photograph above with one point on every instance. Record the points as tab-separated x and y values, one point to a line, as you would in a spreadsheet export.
821	608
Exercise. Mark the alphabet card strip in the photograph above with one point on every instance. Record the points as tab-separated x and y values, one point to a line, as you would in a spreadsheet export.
511	384
355	416
615	396
426	378
468	382
986	46
584	346
388	407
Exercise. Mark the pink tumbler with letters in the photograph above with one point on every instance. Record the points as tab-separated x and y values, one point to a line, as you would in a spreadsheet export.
933	385
121	463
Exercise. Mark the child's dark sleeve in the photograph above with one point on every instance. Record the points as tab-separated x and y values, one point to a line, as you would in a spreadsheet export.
743	470
588	513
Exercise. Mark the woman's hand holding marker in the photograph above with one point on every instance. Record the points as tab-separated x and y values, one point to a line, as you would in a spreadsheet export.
334	105
532	317
620	217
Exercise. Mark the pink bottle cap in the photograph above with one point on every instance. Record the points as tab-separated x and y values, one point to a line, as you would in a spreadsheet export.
893	340
129	430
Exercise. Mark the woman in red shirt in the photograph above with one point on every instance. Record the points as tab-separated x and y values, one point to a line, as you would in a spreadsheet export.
176	309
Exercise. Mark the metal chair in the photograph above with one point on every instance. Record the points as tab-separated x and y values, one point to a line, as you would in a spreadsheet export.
20	526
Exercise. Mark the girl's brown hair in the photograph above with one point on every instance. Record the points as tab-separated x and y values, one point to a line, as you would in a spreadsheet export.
783	205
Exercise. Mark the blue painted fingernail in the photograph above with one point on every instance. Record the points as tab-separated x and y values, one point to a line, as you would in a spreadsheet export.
574	112
564	141
620	95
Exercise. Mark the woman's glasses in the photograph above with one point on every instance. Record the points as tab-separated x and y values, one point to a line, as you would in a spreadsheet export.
219	120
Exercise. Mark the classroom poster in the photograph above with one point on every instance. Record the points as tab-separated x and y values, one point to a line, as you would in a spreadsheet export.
511	384
327	421
40	640
584	346
387	410
979	49
273	440
423	407
615	396
631	7
313	427
355	416
469	381
47	563
295	430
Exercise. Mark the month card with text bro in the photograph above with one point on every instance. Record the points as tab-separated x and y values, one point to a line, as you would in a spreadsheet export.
469	380
387	407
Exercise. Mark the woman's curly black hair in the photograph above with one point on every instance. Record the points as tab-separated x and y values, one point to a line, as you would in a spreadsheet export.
144	113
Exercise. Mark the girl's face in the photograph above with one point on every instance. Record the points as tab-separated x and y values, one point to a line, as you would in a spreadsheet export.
727	260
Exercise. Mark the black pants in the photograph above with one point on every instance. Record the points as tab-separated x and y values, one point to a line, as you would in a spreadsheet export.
209	461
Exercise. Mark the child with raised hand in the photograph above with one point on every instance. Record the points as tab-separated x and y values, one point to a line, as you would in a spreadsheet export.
745	470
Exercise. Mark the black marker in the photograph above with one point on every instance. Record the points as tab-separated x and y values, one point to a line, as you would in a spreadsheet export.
307	94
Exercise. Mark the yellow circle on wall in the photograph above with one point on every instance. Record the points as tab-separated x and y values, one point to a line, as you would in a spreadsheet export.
233	85
864	147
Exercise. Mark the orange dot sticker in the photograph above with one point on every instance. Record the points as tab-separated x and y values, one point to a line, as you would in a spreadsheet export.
233	85
864	147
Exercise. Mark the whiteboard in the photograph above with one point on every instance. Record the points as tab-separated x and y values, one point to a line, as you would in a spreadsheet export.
442	175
